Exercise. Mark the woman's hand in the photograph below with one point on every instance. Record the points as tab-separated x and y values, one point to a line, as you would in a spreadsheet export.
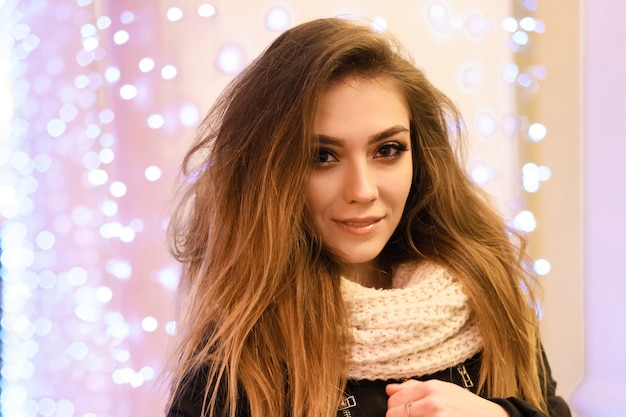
436	398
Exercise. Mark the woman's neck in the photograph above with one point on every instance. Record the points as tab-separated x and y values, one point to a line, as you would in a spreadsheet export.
367	274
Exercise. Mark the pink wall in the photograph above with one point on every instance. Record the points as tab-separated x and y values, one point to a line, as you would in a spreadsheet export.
603	389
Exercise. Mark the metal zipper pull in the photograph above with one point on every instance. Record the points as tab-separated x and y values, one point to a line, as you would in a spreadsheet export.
465	376
346	404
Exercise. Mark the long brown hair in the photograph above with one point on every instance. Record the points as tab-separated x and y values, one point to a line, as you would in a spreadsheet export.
263	312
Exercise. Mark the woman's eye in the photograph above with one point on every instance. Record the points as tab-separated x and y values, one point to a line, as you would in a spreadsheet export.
391	150
323	156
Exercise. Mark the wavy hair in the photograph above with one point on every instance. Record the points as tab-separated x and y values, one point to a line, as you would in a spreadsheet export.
262	307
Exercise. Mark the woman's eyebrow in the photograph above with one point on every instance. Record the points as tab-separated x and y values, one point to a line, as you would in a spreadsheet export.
377	137
387	133
329	140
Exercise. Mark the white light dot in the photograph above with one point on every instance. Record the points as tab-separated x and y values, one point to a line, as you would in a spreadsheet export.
28	185
77	276
110	230
524	80
136	225
81	215
520	37
118	189
81	81
537	132
93	131
437	11
45	240
68	112
43	325
56	127
156	121
168	72
206	10
29	348
106	155
147	372
509	74
169	278
7	195
379	24
146	64
20	31
486	124
112	74
189	115
530	4
121	37
528	24
42	162
86	313
103	22
46	407
149	324
20	160
544	173
525	221
106	116
481	174
153	173
104	294
97	177
170	328
127	234
65	408
127	17
530	177
119	268
470	77
477	25
91	160
109	208
230	59
540	72
542	266
78	350
174	14
457	22
128	91
510	24
278	19
122	376
47	280
121	355
136	380
90	44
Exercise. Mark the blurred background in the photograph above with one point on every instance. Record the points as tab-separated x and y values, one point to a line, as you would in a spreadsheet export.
99	100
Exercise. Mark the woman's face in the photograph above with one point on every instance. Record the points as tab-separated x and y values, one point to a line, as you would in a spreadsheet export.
363	171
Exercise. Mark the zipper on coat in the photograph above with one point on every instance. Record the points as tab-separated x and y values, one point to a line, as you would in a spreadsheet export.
346	404
465	376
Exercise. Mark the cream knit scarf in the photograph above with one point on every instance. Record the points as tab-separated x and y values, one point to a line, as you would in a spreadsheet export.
423	324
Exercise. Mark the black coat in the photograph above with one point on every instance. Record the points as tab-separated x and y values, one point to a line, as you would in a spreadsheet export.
368	398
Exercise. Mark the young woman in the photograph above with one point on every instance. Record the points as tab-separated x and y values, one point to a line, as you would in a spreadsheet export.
336	258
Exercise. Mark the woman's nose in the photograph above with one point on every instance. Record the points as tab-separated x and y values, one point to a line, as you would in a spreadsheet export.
360	185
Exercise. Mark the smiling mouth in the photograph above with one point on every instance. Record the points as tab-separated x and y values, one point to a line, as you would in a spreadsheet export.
360	226
360	222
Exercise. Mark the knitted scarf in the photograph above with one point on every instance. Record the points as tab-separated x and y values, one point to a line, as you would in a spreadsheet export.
421	325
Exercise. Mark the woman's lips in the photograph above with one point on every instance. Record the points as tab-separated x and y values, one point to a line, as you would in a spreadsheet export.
359	226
